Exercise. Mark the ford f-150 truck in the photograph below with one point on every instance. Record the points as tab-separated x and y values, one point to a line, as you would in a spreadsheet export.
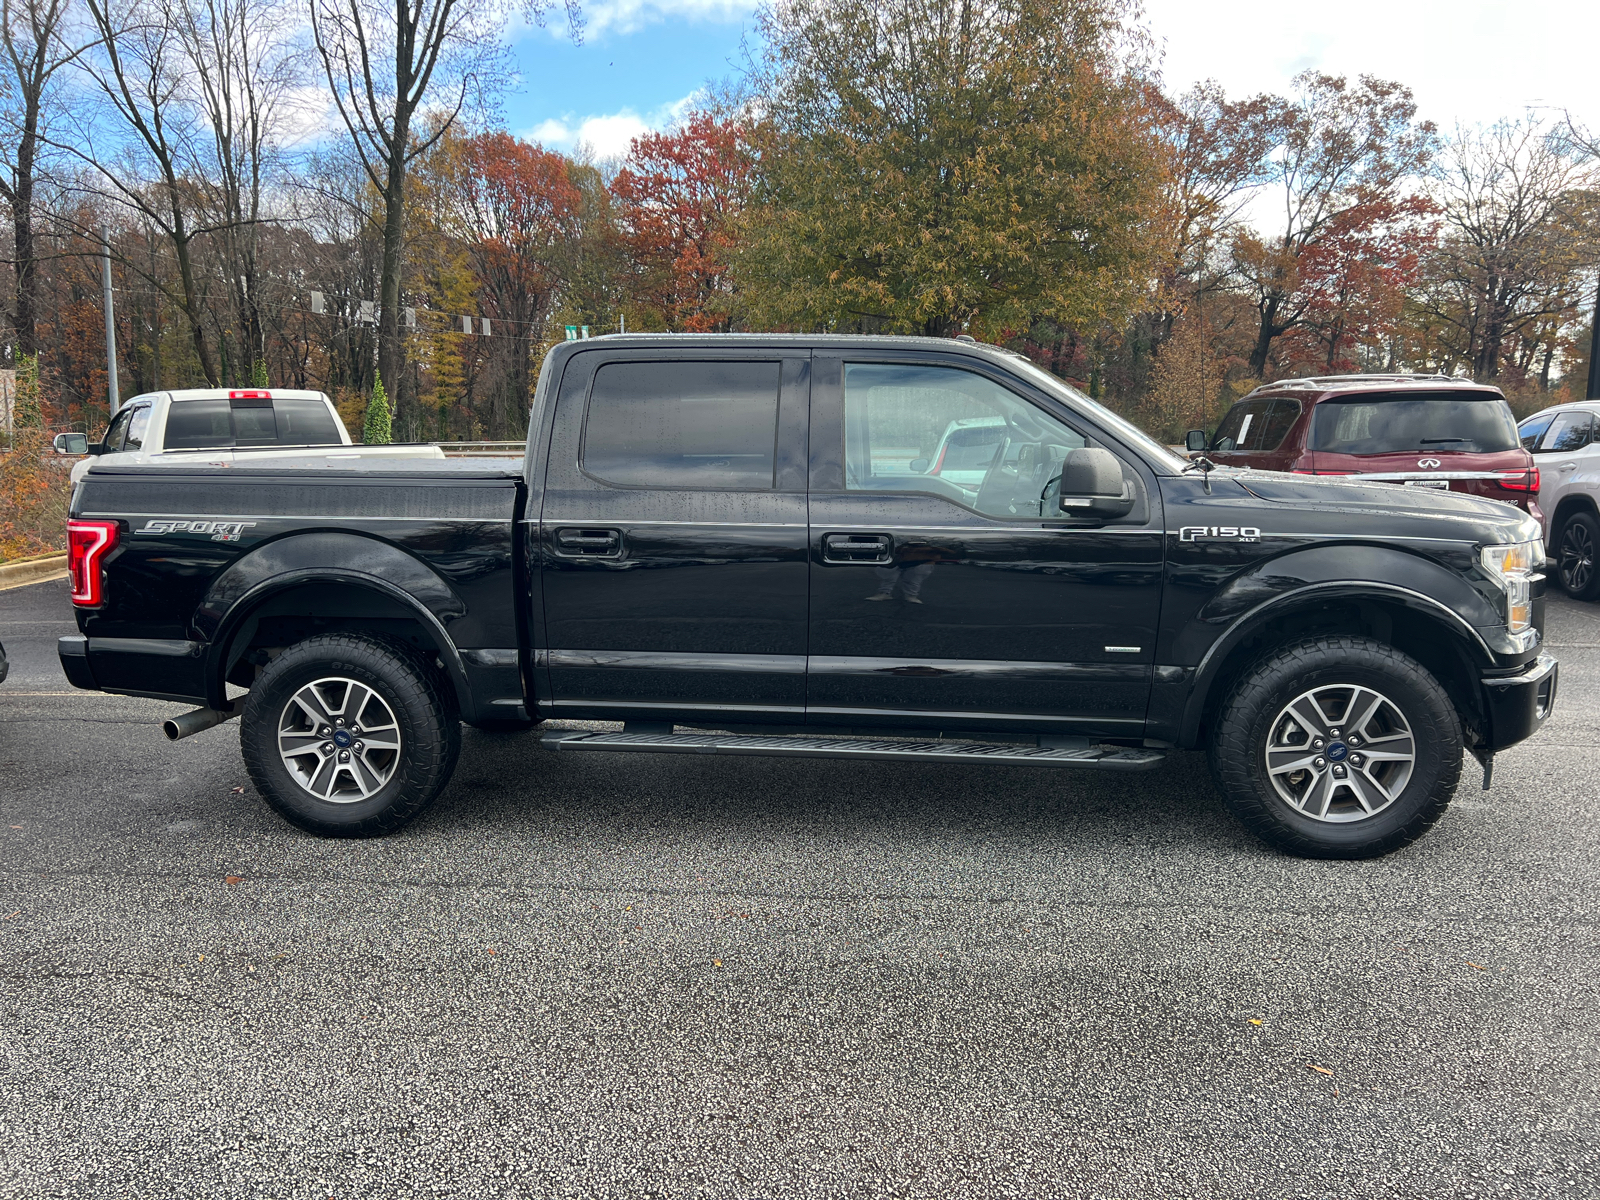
736	545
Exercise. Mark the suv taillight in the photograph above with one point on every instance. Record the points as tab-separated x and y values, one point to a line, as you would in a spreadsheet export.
88	542
1520	481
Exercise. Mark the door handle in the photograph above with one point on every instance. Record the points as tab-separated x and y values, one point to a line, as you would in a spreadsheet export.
856	547
589	543
1566	466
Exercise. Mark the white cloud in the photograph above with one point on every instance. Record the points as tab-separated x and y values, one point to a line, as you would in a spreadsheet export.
1464	59
607	135
630	16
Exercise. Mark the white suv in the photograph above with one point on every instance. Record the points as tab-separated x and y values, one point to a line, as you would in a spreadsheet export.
1565	441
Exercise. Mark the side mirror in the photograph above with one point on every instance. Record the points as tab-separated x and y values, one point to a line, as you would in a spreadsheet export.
71	443
919	466
1092	485
1194	440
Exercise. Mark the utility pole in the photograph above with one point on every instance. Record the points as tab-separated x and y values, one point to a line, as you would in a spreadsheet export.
111	322
1594	348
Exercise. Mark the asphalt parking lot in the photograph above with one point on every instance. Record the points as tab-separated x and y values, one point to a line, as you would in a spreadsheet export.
638	976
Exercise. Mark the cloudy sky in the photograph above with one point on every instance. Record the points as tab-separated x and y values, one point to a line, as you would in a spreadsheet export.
1466	60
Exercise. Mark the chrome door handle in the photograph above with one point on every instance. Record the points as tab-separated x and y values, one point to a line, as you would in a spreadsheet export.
856	547
589	543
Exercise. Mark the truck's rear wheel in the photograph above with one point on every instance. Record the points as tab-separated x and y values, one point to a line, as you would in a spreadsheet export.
1338	747
349	735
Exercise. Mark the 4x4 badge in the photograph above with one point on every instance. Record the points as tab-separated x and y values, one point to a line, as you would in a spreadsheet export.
220	531
1428	462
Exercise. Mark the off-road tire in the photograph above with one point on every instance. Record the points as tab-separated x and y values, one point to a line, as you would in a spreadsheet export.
1585	533
413	688
1258	699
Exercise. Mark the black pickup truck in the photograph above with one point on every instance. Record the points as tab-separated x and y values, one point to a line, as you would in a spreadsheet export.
890	548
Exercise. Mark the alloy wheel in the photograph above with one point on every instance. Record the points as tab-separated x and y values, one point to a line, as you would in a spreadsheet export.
1576	556
339	740
1340	753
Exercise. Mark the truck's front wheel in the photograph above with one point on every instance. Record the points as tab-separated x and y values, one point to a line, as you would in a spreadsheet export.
1337	747
349	735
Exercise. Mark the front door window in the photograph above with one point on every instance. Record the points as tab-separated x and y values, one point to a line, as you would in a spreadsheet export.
949	433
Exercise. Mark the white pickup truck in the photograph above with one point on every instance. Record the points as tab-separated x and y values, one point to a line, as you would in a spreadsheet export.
220	426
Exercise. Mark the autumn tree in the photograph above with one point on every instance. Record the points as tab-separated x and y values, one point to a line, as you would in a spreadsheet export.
1340	158
934	165
678	197
516	212
383	60
1521	205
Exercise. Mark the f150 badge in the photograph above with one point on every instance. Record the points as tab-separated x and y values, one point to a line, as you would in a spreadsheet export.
220	531
1219	533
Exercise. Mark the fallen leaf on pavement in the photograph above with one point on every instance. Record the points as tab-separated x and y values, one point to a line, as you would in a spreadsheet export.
1253	1021
230	880
238	791
1476	967
716	962
1319	1070
8	916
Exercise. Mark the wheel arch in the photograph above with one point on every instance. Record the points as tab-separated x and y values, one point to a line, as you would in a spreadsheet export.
1414	623
408	600
1573	502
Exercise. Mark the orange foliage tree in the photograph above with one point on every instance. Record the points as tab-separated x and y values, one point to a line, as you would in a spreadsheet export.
676	200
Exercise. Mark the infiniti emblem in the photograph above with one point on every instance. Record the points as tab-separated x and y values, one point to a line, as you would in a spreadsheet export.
1427	462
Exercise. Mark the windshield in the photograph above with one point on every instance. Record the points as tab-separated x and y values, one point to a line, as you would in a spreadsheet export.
1445	422
1160	457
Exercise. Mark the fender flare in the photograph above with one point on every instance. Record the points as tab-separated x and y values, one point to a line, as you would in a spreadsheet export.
263	574
1209	668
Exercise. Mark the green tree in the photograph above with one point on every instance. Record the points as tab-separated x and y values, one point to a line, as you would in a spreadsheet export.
932	165
375	427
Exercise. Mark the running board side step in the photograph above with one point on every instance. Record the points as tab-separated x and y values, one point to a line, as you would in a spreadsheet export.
1066	752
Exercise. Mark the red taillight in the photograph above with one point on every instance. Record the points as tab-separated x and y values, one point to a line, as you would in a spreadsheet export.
1520	481
249	395
88	542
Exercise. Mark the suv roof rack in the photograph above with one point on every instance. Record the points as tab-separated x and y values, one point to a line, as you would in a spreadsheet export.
1326	381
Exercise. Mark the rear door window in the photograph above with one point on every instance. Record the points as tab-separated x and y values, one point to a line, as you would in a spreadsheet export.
1568	432
1530	430
706	425
1443	422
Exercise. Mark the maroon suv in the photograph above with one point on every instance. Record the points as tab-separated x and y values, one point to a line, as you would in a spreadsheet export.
1414	430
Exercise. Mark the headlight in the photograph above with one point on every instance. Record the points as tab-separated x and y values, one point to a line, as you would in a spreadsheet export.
1512	567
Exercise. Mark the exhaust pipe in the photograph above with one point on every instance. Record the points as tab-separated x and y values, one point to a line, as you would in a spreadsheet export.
200	718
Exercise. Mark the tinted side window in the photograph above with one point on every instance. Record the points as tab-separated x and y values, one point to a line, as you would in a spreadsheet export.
197	425
138	424
1569	431
683	424
1530	429
304	423
1241	425
1275	426
116	430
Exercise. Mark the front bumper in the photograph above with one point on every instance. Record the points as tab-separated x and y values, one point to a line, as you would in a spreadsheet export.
1517	705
